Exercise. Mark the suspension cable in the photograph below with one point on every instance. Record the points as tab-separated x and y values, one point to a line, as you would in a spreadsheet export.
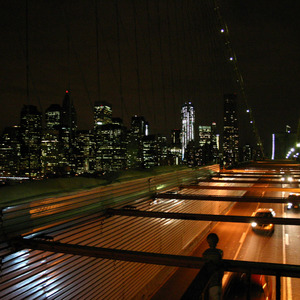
137	57
239	78
119	59
97	48
162	63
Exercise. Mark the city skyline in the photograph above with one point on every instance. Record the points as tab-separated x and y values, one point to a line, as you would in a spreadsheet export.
102	116
161	69
59	148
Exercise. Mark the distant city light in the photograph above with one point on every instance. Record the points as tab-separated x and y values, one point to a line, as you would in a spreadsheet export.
248	110
222	30
231	58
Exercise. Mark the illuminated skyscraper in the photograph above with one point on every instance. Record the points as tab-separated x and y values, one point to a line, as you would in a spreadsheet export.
68	131
187	120
68	121
10	151
150	153
231	131
53	117
215	140
102	114
139	127
175	147
110	152
84	151
138	130
205	135
31	133
208	144
52	154
109	139
214	135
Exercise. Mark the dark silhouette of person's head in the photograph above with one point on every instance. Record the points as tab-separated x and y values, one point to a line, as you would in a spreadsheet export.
212	240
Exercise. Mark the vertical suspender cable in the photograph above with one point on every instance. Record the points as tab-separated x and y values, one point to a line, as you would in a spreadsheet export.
119	59
27	56
162	65
185	52
68	81
27	82
192	42
97	49
179	62
150	59
171	58
114	72
66	23
137	58
68	60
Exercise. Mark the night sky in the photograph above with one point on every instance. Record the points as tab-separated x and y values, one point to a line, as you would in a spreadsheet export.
153	56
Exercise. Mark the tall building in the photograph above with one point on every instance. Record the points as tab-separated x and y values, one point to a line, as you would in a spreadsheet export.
68	118
205	135
214	135
208	144
52	153
162	150
84	152
110	153
68	131
230	131
52	156
102	114
31	134
53	117
109	139
175	155
187	121
138	130
150	153
205	145
215	140
10	151
139	126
